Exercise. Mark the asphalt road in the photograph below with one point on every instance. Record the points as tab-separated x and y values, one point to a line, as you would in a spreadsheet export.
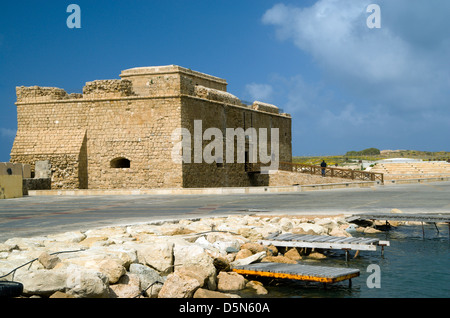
42	215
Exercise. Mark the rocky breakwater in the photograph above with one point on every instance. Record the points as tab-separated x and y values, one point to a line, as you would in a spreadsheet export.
172	259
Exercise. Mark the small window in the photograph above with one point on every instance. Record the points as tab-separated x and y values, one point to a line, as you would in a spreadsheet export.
120	163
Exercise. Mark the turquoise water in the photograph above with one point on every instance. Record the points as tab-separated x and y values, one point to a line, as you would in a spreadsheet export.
412	266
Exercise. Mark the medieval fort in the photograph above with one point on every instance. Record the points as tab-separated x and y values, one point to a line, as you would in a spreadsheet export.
118	133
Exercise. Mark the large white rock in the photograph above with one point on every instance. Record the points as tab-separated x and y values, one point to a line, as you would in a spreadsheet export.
194	257
317	229
179	285
85	283
42	282
150	280
158	255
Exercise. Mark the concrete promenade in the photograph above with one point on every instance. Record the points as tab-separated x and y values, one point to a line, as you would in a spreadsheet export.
46	214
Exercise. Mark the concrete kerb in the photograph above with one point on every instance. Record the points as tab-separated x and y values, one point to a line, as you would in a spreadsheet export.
225	190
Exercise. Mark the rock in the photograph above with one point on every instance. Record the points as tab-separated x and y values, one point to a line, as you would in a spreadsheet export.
316	255
150	280
317	229
257	287
68	237
86	283
7	247
243	253
48	261
278	259
42	282
205	293
221	264
179	285
194	257
371	230
158	255
109	265
396	211
293	254
230	281
250	233
249	260
352	228
128	286
93	241
106	232
286	224
254	247
59	294
336	231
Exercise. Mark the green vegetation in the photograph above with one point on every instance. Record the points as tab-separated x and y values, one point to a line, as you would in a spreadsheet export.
352	158
365	152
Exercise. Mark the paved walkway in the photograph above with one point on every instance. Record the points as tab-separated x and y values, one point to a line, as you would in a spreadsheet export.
42	215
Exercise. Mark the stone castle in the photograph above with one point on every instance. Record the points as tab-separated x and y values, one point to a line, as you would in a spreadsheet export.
119	133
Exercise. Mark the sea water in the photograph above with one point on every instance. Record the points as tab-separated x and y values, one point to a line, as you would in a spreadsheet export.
413	266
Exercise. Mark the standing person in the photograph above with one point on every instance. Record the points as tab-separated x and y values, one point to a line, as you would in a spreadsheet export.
323	165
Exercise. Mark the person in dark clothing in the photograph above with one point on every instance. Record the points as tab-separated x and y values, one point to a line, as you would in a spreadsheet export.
323	165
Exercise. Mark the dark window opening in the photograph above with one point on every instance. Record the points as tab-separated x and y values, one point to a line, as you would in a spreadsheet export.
120	163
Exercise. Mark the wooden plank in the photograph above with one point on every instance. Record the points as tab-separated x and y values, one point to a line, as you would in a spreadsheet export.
324	245
322	274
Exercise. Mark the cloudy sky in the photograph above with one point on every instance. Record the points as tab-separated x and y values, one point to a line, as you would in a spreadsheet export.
347	86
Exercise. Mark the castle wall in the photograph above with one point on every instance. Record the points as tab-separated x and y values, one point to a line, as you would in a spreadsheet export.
118	133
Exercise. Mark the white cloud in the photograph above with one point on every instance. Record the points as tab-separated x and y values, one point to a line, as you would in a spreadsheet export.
387	65
260	92
389	84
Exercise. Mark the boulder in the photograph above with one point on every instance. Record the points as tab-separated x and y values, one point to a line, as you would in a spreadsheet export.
230	281
194	257
86	283
128	286
179	285
317	229
293	254
249	260
150	280
158	255
254	247
48	261
257	287
243	253
42	282
205	293
68	237
278	259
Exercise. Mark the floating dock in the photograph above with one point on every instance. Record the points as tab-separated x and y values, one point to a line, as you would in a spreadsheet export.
423	217
416	217
325	242
322	274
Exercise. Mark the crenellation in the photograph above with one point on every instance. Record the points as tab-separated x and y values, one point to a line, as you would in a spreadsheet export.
108	88
38	94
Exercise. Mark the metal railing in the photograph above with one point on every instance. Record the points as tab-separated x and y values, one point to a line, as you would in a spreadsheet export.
326	172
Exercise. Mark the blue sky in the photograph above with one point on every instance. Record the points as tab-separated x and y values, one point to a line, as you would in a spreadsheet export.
347	87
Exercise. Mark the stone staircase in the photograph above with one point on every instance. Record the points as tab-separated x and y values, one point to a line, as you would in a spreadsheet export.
412	169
